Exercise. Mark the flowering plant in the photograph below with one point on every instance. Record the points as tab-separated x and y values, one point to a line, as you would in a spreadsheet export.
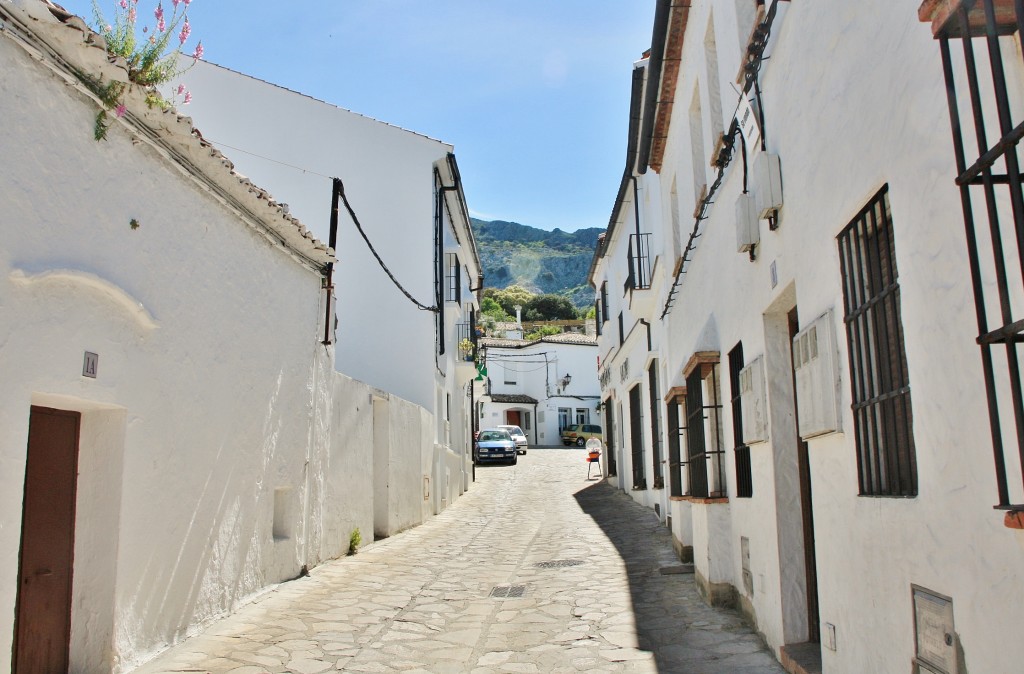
152	56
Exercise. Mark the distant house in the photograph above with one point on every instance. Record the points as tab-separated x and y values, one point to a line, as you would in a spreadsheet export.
541	385
173	434
810	303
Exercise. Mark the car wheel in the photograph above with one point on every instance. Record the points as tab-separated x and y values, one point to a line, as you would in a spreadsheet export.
515	460
581	442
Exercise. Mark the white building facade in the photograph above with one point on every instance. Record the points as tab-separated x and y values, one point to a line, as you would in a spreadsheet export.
400	317
790	316
175	436
540	385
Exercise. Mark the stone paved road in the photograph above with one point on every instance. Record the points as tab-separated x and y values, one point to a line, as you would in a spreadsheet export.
586	557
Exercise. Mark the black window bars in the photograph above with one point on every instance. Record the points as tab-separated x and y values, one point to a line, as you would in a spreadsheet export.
992	179
744	478
704	454
883	422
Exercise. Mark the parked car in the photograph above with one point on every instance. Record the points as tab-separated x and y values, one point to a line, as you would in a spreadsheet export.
495	444
578	434
517	435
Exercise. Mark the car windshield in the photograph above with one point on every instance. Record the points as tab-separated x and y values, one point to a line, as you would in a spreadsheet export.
494	435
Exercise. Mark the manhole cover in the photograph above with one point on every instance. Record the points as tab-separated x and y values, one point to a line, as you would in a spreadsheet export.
508	591
559	563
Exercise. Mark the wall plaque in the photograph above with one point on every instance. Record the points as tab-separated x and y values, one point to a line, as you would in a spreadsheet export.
934	633
90	365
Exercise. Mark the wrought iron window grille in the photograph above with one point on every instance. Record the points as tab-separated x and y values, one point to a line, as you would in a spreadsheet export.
883	420
700	458
998	231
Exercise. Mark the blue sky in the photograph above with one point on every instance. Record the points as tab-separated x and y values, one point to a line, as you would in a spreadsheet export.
533	94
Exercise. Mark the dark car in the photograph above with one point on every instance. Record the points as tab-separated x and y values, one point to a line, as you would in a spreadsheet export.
495	444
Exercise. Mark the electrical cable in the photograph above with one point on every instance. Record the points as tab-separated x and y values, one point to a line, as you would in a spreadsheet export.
755	56
355	220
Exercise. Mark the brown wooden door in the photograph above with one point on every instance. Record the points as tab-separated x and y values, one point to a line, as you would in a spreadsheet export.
806	506
512	418
42	632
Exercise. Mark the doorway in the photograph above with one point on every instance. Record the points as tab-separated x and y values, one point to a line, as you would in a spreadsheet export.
42	628
513	418
810	558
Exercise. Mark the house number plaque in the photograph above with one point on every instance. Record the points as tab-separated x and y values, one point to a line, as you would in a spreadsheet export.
90	365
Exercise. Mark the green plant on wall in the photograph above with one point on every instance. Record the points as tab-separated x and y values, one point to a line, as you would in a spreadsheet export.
152	55
354	541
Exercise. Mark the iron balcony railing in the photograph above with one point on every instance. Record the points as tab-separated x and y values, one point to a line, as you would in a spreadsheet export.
639	262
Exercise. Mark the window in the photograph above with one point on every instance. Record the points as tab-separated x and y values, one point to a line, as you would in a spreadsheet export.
744	479
622	330
511	376
675	432
597	316
582	415
454	279
714	82
883	424
605	311
652	380
992	174
697	157
526	421
703	428
636	432
638	262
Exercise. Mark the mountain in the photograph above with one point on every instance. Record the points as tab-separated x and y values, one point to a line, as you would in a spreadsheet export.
542	261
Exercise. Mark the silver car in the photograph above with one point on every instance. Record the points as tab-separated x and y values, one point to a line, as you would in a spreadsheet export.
517	435
494	444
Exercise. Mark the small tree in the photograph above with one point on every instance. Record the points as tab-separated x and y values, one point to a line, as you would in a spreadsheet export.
549	308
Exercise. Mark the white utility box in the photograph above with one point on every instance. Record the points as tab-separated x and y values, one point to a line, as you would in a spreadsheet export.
748	233
754	402
767	183
817	378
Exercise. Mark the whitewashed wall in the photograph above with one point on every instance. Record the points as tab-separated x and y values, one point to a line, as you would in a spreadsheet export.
207	338
388	177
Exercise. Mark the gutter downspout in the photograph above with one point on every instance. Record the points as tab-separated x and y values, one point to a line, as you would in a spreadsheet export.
631	152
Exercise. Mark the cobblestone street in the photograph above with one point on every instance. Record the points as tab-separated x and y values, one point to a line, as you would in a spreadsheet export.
535	569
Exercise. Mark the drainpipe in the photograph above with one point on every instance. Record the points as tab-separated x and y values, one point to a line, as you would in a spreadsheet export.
648	326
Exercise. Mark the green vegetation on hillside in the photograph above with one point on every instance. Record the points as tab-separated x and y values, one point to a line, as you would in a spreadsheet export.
540	261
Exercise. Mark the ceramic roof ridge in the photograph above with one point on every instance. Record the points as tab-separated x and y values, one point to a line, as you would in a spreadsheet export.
67	46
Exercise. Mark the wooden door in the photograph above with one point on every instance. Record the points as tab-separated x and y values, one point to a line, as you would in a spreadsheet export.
512	418
42	632
806	506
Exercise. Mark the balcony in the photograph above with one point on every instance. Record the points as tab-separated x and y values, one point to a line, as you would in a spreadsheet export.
639	275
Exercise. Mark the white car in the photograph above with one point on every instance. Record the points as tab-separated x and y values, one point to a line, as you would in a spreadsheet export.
517	435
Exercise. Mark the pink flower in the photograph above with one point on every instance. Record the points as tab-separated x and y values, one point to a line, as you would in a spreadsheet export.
181	89
160	25
131	15
124	4
159	12
188	97
120	110
175	3
185	30
198	54
187	2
